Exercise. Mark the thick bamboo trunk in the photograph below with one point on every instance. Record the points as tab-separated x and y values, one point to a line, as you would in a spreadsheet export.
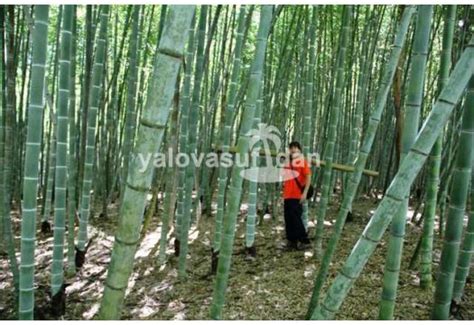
426	248
410	130
457	206
57	270
93	107
30	182
149	139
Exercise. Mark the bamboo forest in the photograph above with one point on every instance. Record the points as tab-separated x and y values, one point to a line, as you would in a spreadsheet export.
147	159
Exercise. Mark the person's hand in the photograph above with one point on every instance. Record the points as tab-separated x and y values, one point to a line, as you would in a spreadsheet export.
303	198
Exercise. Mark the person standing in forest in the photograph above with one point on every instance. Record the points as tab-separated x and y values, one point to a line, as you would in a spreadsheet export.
297	178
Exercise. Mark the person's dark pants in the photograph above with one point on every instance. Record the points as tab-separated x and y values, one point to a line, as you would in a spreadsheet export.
295	230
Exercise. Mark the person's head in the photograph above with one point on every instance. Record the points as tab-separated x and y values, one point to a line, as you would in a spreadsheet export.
295	147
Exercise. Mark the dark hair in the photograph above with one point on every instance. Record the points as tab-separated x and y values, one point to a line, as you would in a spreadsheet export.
295	144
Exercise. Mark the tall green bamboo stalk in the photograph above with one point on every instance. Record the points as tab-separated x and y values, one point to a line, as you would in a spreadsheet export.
72	155
90	30
48	200
465	254
130	115
149	138
189	178
253	185
30	180
457	206
93	107
395	194
183	132
8	143
426	248
170	184
362	90
225	135
57	270
2	128
332	127
10	128
235	187
410	129
6	236
367	142
309	93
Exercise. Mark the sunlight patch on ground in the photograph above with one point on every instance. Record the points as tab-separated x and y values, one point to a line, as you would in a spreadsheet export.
45	255
4	285
206	241
180	316
148	271
131	283
279	228
309	269
177	307
414	278
173	273
140	291
94	289
150	307
91	312
266	274
76	286
410	214
193	235
163	286
147	244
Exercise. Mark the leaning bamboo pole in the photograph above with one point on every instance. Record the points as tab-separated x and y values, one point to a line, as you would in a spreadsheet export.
150	134
365	149
393	200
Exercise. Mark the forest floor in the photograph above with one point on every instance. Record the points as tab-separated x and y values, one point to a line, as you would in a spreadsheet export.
276	285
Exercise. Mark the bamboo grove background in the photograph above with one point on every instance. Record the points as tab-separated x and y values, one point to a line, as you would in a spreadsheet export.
85	89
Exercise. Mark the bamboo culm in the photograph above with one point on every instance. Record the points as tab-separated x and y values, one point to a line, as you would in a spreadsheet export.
36	104
393	199
367	142
457	205
149	139
235	187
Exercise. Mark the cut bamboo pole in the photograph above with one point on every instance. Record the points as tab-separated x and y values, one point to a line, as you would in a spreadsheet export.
316	162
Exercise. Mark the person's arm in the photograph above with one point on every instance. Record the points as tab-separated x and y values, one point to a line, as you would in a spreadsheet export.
307	182
306	188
